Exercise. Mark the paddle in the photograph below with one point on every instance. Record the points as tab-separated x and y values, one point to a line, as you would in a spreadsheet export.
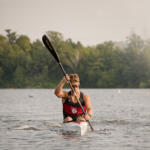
51	49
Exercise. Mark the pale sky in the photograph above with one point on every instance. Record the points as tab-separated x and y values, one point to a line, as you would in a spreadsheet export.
88	21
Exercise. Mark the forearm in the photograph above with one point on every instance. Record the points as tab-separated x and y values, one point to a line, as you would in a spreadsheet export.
89	111
60	86
88	114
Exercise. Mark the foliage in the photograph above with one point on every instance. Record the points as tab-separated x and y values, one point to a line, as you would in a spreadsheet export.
26	64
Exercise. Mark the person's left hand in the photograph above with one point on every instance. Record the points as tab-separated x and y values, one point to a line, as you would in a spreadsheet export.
87	117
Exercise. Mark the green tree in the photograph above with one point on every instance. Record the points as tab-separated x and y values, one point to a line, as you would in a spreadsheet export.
1	76
11	36
28	64
18	77
24	43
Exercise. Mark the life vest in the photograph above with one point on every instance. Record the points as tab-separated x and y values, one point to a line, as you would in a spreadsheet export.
73	109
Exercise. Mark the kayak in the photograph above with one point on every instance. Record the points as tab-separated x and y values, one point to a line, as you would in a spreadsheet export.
77	128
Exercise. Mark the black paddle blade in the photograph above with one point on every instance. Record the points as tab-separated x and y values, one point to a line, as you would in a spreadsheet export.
50	47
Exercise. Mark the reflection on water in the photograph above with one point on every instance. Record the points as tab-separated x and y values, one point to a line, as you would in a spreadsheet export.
32	119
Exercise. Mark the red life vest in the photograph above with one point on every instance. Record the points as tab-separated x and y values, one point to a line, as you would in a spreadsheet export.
73	109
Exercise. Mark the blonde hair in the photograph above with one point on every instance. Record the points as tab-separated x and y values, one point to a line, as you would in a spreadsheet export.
74	78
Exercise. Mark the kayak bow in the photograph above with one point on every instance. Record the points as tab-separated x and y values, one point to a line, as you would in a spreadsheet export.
77	128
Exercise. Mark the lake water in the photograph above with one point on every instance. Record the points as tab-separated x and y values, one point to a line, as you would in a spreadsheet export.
31	119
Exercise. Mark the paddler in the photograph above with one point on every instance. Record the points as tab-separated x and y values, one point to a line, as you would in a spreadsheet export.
71	108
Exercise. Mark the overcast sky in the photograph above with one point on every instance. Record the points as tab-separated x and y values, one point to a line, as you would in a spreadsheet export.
88	21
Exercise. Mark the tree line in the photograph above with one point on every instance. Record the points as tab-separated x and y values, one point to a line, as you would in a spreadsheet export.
26	64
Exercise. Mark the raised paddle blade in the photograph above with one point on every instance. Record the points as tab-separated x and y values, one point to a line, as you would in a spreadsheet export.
50	47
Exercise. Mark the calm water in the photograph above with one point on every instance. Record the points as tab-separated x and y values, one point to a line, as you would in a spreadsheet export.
31	119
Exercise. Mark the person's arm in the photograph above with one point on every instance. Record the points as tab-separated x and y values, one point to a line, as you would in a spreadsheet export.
58	91
88	105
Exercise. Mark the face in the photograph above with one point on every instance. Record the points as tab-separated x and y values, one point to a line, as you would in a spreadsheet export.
75	85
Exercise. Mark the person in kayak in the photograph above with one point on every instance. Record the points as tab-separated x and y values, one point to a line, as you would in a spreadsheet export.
71	108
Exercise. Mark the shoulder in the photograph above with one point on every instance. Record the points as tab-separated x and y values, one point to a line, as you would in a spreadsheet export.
66	96
87	101
85	97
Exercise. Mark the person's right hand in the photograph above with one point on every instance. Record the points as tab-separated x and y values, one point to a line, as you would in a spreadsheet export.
67	78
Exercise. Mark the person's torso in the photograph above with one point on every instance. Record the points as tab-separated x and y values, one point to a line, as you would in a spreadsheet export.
73	108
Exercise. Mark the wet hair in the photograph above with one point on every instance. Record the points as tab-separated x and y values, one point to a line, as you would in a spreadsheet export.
74	78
